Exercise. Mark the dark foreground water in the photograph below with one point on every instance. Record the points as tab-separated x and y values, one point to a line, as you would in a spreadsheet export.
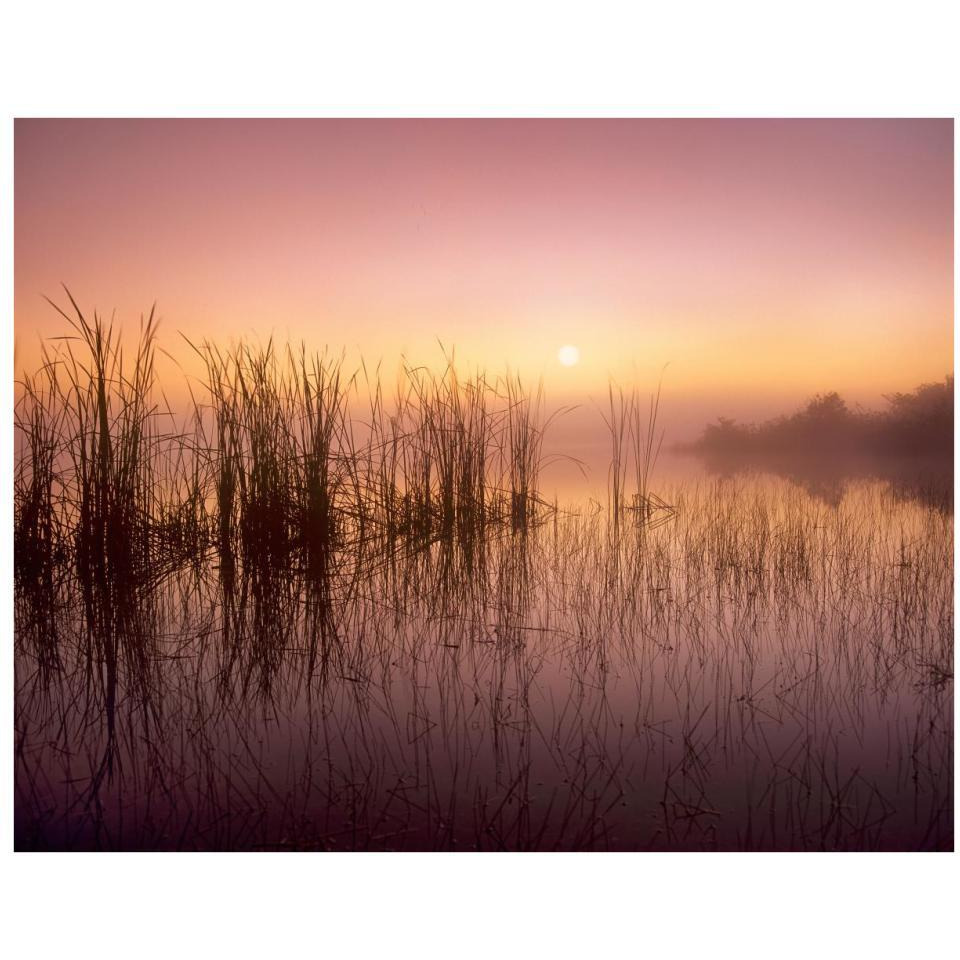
767	669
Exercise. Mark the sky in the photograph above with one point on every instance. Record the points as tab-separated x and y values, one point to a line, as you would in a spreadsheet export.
752	263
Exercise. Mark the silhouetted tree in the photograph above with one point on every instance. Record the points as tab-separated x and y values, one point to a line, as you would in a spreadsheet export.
915	424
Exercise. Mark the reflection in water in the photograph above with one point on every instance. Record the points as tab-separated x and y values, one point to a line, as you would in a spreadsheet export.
771	669
927	481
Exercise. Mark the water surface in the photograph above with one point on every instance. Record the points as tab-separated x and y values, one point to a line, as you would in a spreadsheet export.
767	668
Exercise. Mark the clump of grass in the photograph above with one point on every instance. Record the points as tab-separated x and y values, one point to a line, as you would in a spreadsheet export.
37	527
448	429
88	498
524	452
109	426
635	448
456	458
320	445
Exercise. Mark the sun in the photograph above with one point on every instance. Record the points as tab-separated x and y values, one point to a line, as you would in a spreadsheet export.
568	355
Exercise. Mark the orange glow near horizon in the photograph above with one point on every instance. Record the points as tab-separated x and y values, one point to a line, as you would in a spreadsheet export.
762	260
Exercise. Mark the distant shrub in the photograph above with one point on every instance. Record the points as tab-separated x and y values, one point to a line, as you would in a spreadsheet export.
919	423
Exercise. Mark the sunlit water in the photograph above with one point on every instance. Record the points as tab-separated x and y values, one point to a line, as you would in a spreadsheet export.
767	668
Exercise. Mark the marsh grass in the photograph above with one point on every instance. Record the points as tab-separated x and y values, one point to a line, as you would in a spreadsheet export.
635	445
271	475
272	467
284	623
37	534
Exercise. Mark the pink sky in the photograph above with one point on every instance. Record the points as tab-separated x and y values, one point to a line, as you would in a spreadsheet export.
763	260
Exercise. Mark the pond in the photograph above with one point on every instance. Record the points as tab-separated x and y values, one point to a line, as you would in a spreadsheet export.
750	666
